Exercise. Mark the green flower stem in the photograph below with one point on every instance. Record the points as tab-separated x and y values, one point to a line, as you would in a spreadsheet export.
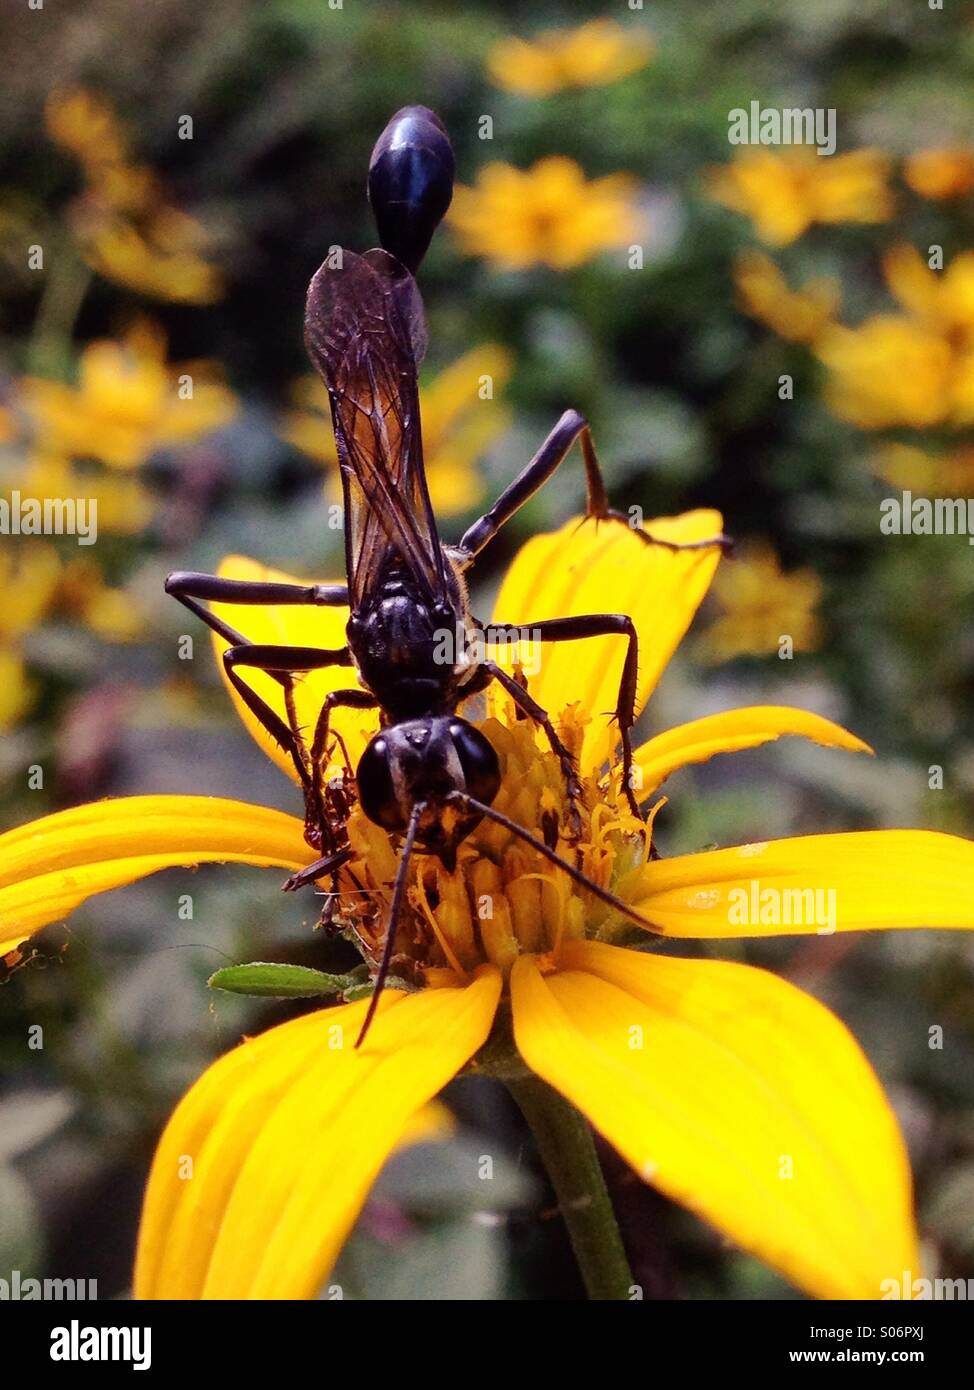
568	1152
65	286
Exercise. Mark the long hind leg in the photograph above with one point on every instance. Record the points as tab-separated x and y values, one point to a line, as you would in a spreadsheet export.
535	474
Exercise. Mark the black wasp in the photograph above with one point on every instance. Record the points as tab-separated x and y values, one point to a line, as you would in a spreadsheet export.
366	335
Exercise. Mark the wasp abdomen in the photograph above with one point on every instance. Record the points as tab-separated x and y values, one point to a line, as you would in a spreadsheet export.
410	182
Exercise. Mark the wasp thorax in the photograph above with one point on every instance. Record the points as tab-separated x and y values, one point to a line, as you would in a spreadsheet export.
425	760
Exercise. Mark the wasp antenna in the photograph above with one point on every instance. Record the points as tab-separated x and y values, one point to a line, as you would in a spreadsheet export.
582	879
411	182
398	891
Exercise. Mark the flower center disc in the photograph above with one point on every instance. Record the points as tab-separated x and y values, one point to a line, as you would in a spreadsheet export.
503	898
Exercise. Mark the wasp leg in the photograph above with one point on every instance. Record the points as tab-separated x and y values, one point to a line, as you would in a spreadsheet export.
278	662
398	893
553	452
327	864
533	710
189	586
347	699
592	625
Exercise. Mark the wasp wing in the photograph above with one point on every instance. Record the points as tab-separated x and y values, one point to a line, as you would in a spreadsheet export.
366	333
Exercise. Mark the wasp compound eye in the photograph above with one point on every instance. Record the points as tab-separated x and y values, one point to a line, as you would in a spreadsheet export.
481	770
376	789
410	182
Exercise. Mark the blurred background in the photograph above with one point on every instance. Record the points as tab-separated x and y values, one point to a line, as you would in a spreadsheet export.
787	337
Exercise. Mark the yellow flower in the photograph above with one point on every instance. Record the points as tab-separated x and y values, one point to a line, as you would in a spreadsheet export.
942	299
459	425
936	475
896	370
16	691
761	605
702	1073
786	193
909	369
35	583
125	506
127	403
128	231
914	369
941	173
547	214
798	315
28	582
81	122
161	260
109	613
592	55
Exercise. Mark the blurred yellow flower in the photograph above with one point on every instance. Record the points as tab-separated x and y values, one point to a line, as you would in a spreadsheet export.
109	613
125	507
592	55
761	606
127	403
548	214
127	230
459	424
942	298
913	369
894	370
86	126
912	469
37	585
16	691
28	583
161	261
786	193
942	173
798	315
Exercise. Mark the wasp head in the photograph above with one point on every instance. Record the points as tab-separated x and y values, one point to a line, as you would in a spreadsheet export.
425	760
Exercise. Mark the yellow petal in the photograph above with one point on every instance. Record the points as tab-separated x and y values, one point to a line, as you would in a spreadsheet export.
737	1095
291	626
16	688
48	867
285	1136
604	568
861	881
730	732
432	1124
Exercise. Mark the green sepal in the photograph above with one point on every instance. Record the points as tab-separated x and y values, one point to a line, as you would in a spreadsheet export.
359	989
268	980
